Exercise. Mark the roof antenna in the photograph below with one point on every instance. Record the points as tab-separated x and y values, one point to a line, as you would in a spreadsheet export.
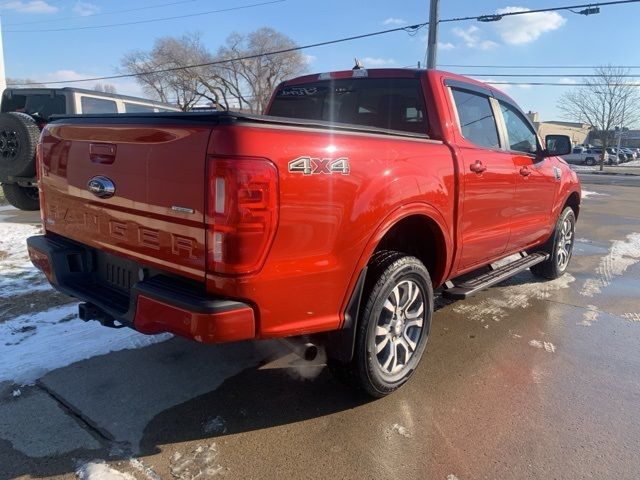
358	65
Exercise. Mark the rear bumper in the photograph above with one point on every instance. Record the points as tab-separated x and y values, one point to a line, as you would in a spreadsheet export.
148	301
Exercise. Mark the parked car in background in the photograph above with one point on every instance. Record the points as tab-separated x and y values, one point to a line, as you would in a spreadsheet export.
622	157
589	156
25	111
630	154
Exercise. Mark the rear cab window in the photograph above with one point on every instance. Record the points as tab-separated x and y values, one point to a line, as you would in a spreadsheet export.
387	103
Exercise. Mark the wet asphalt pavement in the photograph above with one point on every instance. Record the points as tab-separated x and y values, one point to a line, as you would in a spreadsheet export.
528	379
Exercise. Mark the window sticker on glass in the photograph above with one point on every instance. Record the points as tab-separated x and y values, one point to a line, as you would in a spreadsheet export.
301	91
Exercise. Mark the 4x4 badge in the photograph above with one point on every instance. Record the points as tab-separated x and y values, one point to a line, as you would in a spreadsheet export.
310	166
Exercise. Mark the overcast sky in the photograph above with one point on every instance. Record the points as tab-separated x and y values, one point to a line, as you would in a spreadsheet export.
537	39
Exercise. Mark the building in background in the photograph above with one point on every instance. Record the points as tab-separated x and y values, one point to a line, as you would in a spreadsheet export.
578	132
631	138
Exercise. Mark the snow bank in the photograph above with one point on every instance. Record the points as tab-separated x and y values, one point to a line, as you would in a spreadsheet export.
17	274
34	344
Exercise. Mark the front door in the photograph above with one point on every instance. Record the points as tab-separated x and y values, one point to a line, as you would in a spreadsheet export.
536	182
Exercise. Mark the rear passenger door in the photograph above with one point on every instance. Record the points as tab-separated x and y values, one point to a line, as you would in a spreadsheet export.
488	178
536	181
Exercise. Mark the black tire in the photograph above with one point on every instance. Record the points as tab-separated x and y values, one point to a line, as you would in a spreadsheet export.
405	336
590	161
23	198
19	136
553	267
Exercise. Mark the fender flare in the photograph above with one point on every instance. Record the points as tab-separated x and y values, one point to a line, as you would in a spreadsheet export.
340	343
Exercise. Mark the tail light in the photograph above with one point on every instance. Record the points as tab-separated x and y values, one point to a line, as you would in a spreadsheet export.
242	214
39	158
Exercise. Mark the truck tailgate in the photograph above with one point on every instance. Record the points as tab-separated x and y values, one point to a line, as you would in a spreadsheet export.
156	213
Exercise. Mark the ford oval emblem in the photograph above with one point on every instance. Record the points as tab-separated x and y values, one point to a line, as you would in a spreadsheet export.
101	186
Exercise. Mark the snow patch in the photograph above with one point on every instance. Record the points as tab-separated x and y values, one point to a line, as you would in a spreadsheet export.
622	255
142	468
215	425
34	344
17	274
547	346
400	430
98	470
632	317
589	193
511	297
590	316
16	393
199	464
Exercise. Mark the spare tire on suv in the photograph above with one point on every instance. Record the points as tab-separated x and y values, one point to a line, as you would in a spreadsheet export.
19	136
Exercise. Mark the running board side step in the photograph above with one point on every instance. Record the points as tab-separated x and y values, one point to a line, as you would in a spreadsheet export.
476	284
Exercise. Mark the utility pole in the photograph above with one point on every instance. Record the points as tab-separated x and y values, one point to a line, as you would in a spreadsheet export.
432	44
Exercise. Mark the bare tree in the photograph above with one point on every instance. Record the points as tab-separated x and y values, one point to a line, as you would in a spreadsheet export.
227	79
252	80
605	102
105	87
23	83
162	72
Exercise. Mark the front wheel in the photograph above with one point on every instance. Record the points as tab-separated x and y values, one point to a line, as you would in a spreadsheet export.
559	247
591	162
394	326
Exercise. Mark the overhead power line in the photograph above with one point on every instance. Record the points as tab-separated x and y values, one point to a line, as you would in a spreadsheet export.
548	75
101	14
550	84
494	17
409	29
412	29
153	20
585	67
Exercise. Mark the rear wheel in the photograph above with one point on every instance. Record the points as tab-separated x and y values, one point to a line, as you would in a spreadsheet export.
394	326
559	247
24	198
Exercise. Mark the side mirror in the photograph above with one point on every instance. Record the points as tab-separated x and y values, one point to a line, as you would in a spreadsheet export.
557	145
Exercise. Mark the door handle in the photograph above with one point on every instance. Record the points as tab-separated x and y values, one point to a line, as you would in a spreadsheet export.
525	172
477	167
102	152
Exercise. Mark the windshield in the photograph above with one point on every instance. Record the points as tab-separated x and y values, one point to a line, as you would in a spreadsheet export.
395	104
36	104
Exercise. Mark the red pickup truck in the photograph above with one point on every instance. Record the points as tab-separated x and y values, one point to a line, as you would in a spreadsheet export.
331	219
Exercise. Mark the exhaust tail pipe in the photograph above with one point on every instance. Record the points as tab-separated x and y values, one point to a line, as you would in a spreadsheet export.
304	349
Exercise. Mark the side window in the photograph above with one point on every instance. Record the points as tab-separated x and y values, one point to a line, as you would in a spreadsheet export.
98	105
137	108
522	138
477	122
